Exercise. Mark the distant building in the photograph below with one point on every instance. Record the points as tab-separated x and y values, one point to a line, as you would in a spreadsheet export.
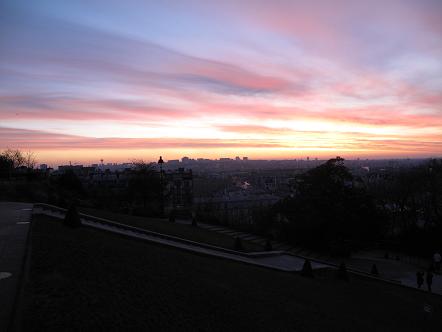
43	167
62	169
78	170
179	190
234	207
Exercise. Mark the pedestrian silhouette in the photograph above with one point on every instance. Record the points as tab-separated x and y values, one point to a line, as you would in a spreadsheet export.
437	261
194	221
429	279
342	272
269	245
374	270
419	279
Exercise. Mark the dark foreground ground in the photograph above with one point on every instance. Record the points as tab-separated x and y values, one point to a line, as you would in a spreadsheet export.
90	280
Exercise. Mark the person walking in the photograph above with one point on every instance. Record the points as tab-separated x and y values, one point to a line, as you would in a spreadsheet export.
429	279
420	279
436	261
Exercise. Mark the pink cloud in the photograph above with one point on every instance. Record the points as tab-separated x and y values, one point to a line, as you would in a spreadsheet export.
320	62
39	140
43	141
76	109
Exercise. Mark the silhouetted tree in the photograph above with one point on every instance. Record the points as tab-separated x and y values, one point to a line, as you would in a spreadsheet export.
329	208
11	159
144	184
29	160
70	186
6	166
412	200
16	156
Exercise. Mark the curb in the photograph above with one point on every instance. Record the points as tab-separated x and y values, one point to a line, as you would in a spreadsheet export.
15	324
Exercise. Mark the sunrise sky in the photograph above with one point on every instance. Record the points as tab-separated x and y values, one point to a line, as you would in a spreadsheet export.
85	80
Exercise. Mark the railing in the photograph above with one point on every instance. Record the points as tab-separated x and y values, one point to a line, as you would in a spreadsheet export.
141	231
106	222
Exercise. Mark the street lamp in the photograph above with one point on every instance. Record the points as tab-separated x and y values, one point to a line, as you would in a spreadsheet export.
161	162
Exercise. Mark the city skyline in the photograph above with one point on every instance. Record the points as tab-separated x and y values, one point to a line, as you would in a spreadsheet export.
236	161
88	80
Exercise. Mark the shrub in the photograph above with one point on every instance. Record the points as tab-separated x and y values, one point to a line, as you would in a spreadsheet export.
307	270
72	218
238	244
342	272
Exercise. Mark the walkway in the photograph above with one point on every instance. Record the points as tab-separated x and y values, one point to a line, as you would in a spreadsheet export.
403	269
14	226
285	258
277	260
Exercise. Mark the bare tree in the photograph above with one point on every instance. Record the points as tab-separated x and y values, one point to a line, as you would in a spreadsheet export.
15	156
30	160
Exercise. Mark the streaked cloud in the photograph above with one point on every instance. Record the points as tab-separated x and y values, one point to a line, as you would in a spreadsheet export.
280	79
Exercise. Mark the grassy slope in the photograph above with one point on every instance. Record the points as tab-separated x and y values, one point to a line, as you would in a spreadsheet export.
90	280
175	229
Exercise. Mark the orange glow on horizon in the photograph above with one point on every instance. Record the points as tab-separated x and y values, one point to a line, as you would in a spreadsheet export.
280	81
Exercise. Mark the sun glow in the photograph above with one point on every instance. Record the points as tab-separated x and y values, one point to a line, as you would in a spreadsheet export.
276	82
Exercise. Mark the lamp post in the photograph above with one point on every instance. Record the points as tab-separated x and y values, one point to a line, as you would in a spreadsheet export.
161	162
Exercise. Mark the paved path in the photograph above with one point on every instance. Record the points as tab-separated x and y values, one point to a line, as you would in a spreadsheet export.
14	226
276	260
248	237
287	258
403	270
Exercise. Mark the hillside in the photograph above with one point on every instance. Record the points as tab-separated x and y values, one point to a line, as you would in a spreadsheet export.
89	280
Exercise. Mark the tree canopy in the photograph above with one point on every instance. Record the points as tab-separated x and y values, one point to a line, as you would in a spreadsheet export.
10	159
329	208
